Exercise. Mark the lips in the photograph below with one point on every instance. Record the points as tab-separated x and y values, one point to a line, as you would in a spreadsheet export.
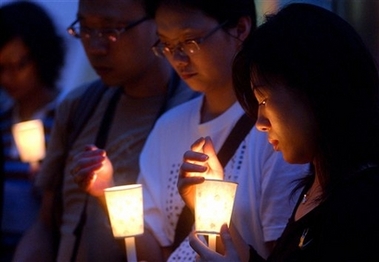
187	75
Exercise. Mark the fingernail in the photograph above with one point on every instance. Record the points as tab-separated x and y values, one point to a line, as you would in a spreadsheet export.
204	157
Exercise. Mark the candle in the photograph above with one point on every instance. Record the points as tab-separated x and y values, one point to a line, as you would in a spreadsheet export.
125	208
214	200
30	140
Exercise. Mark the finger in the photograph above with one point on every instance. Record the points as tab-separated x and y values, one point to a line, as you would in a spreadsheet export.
208	147
198	144
83	176
216	169
202	250
90	147
193	156
191	169
83	180
226	238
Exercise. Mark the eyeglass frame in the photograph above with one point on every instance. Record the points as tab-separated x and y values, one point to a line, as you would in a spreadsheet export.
99	32
159	47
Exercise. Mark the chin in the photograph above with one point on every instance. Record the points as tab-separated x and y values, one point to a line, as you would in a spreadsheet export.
291	159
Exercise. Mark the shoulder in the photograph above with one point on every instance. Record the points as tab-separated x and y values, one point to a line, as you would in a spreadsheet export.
72	98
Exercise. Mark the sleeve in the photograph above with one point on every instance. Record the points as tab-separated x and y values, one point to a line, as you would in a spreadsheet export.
278	179
153	184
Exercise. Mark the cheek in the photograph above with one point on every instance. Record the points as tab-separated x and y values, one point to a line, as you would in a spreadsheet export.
216	66
303	141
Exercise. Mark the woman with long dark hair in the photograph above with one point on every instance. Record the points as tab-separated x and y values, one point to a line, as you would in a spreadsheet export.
316	92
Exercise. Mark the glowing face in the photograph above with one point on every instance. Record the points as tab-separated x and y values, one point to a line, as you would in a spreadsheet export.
289	122
210	67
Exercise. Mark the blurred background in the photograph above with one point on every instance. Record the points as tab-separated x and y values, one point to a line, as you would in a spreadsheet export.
362	14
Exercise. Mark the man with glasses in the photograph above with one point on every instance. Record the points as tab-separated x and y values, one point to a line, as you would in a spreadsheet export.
117	36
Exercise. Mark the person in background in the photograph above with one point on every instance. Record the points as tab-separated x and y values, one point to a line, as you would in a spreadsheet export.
32	54
317	87
200	40
117	37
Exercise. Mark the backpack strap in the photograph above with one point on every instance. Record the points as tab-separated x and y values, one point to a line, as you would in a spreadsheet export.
78	118
87	104
100	141
231	144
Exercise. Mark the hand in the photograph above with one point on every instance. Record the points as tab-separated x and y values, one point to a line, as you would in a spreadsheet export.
198	163
93	172
206	254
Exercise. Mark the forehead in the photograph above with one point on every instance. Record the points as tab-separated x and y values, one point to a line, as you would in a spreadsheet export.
179	19
13	50
111	9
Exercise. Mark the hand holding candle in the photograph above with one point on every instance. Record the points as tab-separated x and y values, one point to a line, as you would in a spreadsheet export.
200	162
92	170
211	197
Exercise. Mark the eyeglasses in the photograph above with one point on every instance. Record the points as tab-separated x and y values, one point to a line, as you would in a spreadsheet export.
111	34
188	47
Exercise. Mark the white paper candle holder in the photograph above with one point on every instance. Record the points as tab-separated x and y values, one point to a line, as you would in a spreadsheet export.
125	208
30	140
214	202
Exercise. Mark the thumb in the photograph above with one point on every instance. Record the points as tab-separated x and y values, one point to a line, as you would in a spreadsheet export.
217	171
226	238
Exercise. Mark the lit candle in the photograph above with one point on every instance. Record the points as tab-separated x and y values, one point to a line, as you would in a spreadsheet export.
214	200
30	140
125	208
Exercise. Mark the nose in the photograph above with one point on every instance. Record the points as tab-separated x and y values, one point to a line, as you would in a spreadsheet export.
262	123
96	45
178	57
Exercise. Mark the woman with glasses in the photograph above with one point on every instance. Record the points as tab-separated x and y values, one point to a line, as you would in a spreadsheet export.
316	89
200	40
31	57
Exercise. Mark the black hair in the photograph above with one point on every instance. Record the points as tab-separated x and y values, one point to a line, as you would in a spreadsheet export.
32	24
220	10
316	53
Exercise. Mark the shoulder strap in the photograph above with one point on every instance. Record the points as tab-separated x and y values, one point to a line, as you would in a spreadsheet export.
232	142
78	118
87	103
100	141
236	136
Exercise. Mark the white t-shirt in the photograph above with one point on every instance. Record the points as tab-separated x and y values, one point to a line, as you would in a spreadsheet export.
262	204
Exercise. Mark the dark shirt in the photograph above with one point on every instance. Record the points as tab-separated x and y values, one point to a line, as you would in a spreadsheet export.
345	227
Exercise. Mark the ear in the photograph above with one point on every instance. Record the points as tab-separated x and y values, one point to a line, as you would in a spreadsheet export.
243	28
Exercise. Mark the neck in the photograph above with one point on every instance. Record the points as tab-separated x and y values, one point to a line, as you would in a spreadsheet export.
153	81
311	199
216	103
